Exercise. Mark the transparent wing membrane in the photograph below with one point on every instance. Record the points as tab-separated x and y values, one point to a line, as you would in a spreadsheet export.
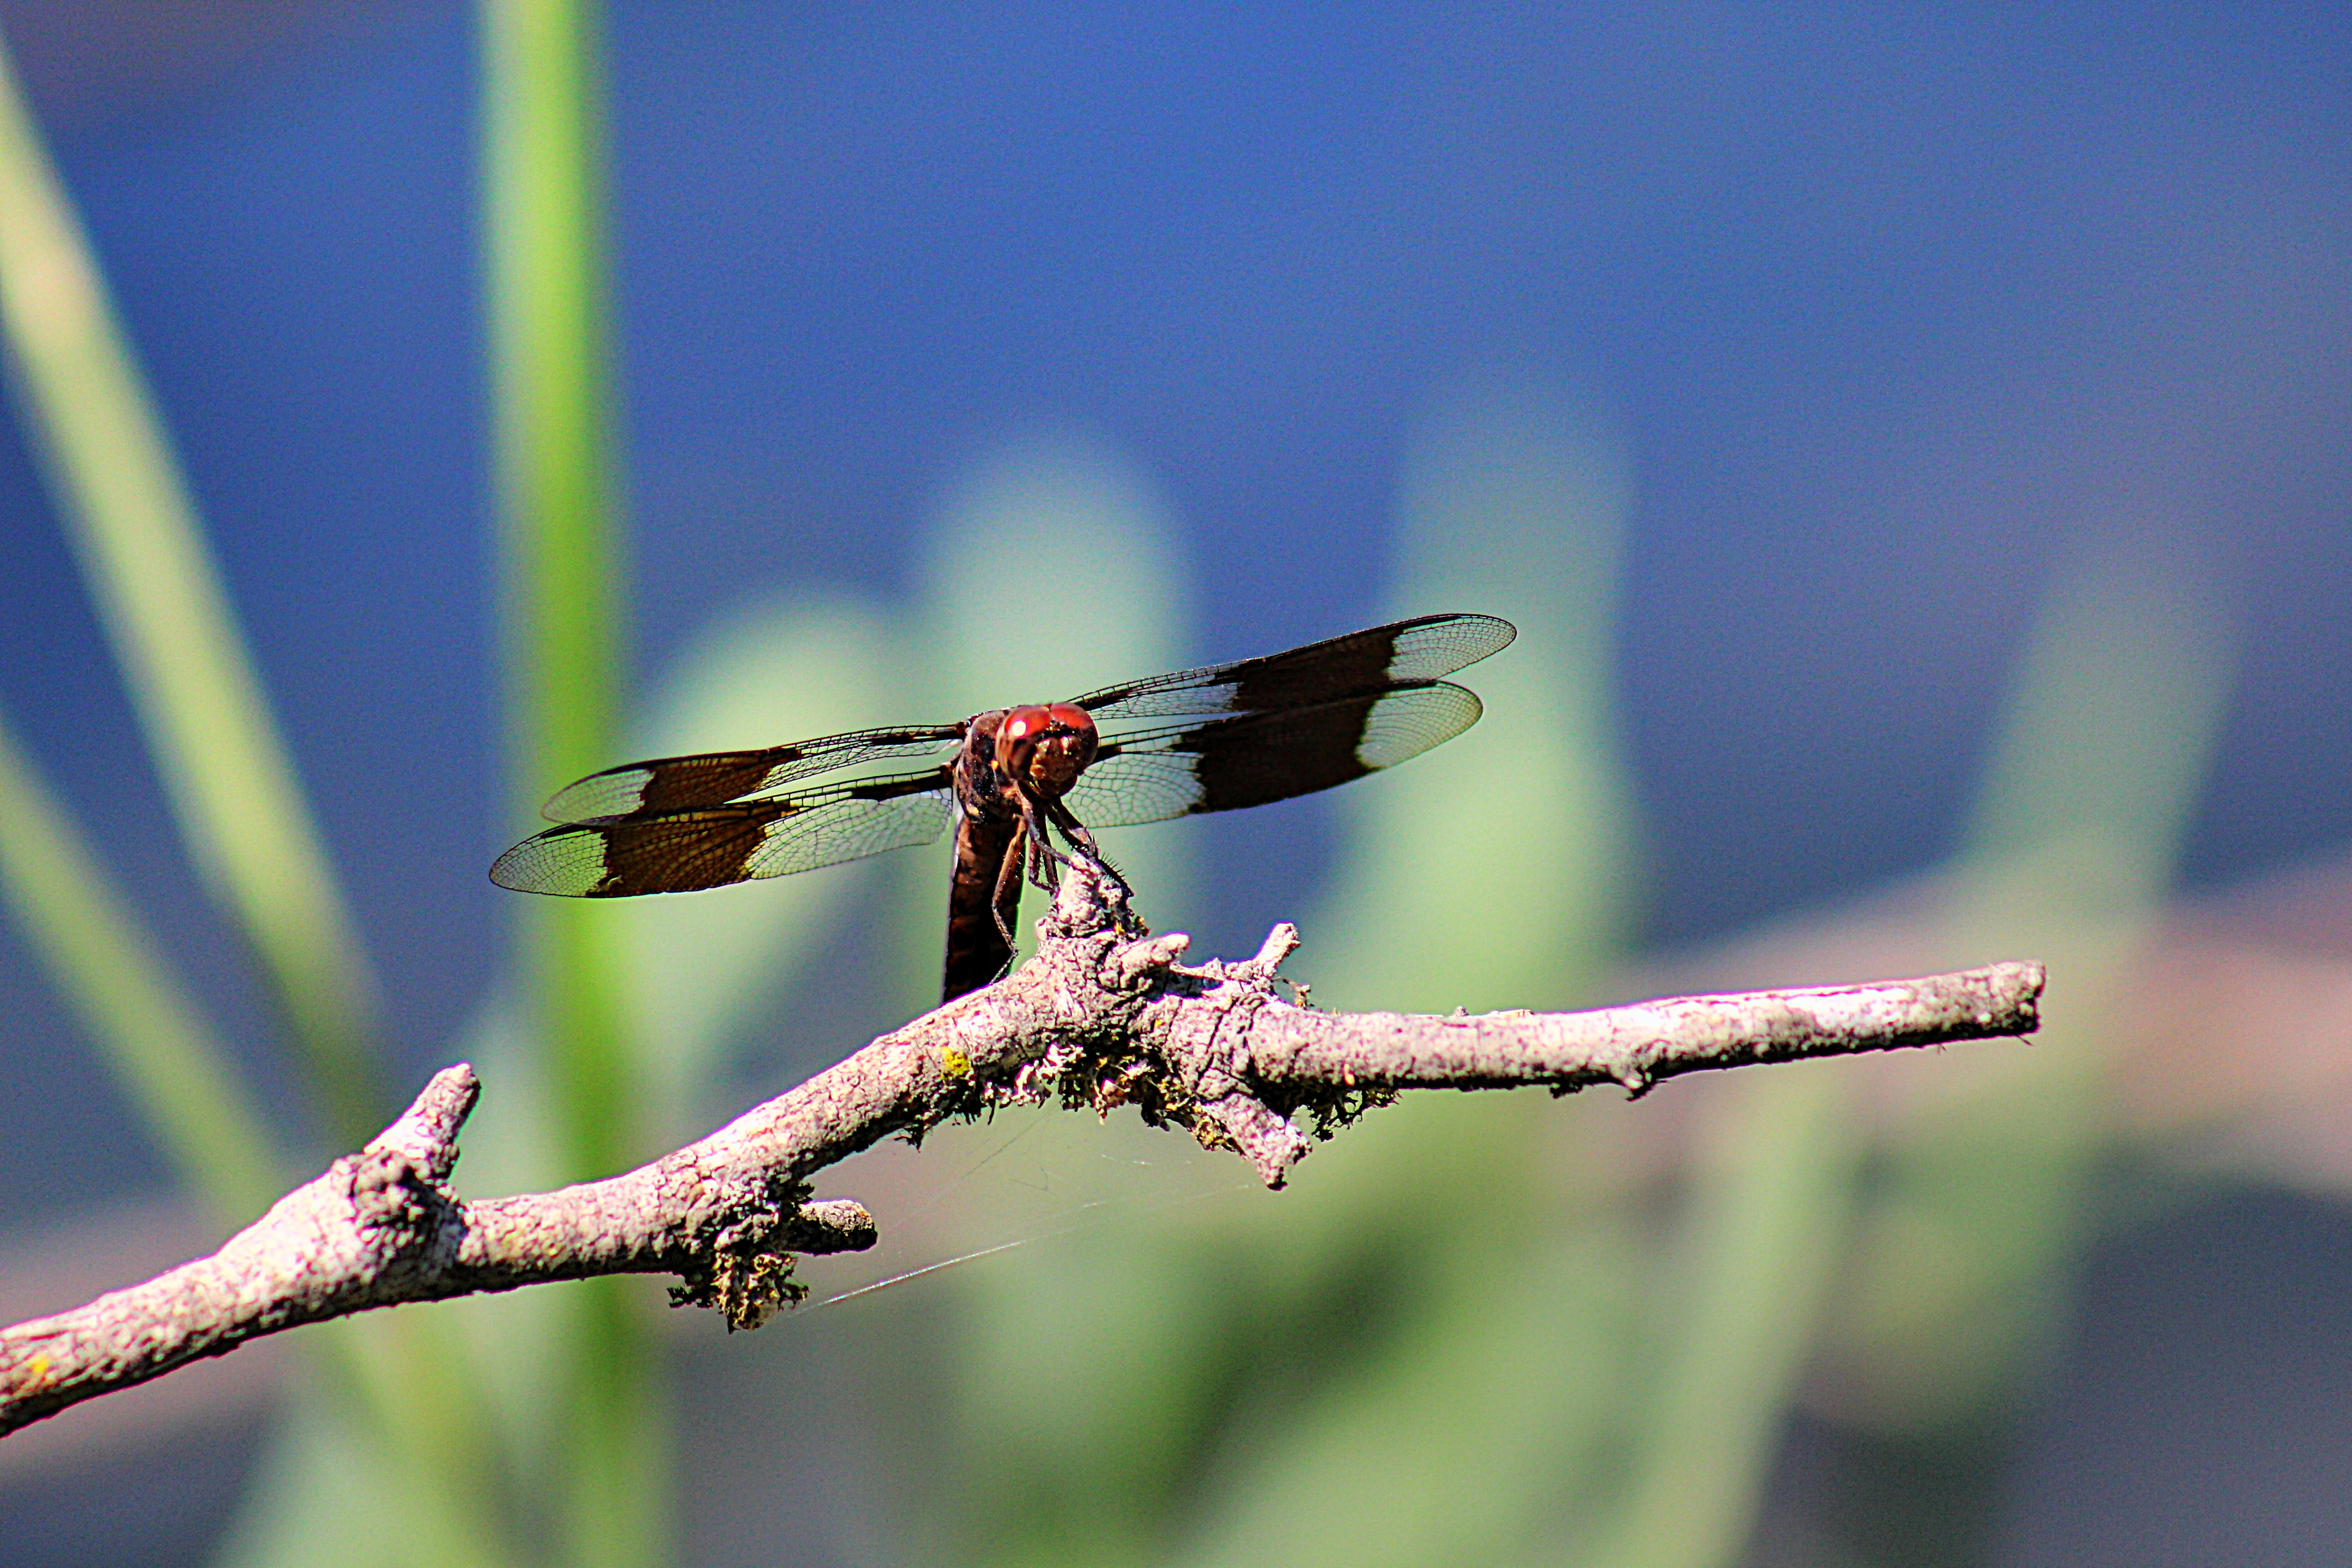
1421	650
715	778
1249	760
715	847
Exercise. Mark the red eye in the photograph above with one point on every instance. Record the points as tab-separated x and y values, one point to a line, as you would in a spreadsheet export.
1075	720
1023	725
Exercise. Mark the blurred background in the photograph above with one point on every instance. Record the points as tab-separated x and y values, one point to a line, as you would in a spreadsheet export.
1910	441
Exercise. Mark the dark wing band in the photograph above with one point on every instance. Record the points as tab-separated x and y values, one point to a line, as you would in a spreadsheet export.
714	778
1228	763
716	845
1420	649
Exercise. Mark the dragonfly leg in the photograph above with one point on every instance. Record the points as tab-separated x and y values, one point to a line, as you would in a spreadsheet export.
1040	816
1045	863
1083	842
1006	901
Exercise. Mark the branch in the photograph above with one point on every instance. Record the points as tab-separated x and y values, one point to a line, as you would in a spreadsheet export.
1103	1017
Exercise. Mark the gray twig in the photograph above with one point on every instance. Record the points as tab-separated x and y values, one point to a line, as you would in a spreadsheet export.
1101	1017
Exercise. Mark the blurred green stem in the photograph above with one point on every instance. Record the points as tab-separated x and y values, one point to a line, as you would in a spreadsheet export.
1769	1210
2091	776
560	531
240	807
173	1067
111	973
224	766
560	538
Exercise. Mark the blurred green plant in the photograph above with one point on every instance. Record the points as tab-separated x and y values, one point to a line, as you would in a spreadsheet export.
1225	1382
556	454
1495	872
1496	1328
1498	871
1957	1281
1956	1277
110	971
242	812
226	773
1747	1271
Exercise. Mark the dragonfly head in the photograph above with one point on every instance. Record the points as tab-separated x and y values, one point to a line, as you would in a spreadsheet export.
1043	750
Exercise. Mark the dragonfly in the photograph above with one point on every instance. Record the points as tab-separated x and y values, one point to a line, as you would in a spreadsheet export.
1023	787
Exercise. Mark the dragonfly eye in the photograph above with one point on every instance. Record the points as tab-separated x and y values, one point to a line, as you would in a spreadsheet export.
1016	741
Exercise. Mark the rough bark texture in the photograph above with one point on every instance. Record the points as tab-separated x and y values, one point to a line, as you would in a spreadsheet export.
1098	1019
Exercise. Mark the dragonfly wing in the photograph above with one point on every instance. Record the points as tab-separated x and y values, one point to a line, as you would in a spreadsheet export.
1421	650
715	778
1227	763
717	846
